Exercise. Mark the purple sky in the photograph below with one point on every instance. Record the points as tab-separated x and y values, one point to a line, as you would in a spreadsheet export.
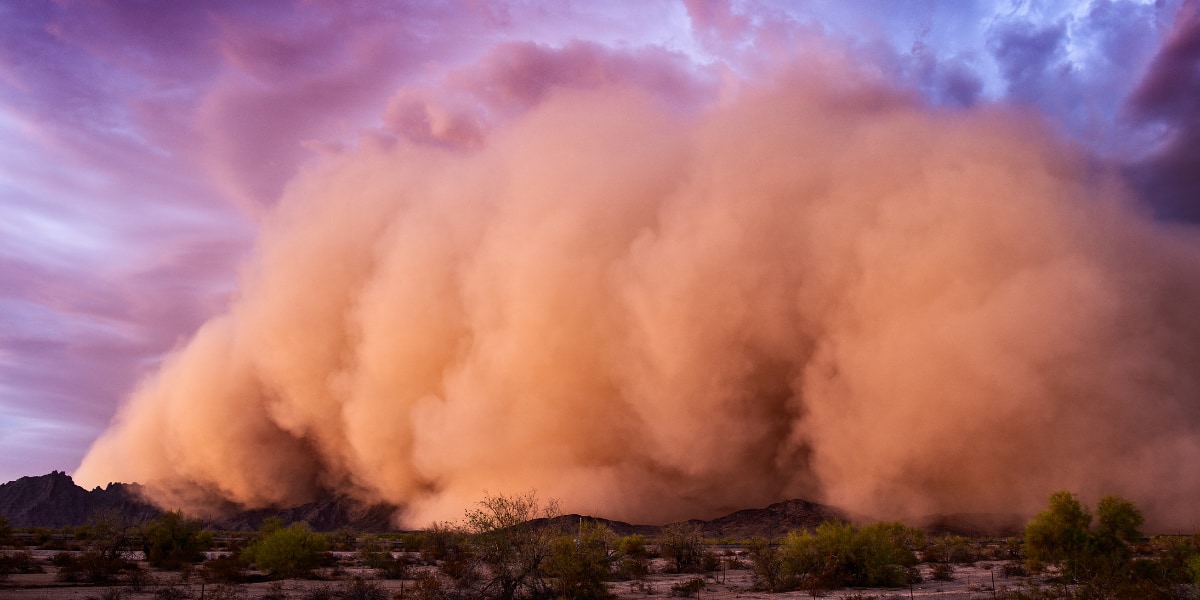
141	142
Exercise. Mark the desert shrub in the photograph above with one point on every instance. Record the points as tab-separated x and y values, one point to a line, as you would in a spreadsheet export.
1058	534
839	554
342	540
227	568
771	572
320	592
950	549
441	541
136	577
6	532
683	546
374	552
109	594
941	572
580	564
429	587
107	539
510	545
288	552
275	591
90	566
1193	569
635	558
1171	555
361	589
462	570
172	591
395	568
411	542
1014	569
18	562
735	563
172	541
688	589
642	587
224	591
1062	535
884	551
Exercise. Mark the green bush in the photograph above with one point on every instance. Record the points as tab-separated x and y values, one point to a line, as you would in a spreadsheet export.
635	558
173	541
838	555
950	549
442	541
581	563
942	572
1062	535
771	572
288	552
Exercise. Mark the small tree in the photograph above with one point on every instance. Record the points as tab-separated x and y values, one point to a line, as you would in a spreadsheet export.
1119	520
581	563
511	546
107	539
173	540
771	572
1062	535
683	546
1059	534
288	552
635	559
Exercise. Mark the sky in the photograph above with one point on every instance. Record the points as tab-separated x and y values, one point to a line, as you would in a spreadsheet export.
146	146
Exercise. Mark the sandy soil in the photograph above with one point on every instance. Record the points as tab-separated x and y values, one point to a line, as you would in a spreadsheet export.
969	583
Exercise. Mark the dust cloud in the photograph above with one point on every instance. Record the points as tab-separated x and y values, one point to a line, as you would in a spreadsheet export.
812	286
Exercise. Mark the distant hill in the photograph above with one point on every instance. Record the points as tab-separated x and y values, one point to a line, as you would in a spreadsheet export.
327	514
54	500
771	522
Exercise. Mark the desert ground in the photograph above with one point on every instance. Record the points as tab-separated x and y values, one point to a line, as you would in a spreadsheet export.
969	582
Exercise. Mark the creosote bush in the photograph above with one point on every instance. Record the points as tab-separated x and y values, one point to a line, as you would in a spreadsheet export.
953	549
173	541
838	555
688	589
634	562
288	552
229	568
580	564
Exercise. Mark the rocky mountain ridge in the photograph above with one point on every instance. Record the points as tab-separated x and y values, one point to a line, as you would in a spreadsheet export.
54	500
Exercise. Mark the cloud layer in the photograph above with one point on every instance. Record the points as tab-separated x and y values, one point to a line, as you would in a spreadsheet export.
808	285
